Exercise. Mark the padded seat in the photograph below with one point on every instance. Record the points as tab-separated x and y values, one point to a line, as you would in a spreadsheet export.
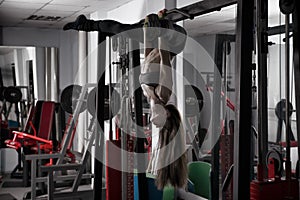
45	125
200	176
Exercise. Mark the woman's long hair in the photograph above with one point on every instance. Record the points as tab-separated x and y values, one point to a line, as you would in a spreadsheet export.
175	172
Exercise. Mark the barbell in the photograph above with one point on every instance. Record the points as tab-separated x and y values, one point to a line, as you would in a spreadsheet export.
71	94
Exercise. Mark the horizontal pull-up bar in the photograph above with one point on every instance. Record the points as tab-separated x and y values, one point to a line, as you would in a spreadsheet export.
196	9
176	10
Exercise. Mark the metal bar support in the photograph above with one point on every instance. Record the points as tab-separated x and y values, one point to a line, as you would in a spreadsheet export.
242	129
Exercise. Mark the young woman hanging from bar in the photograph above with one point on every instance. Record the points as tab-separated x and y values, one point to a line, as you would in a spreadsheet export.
162	44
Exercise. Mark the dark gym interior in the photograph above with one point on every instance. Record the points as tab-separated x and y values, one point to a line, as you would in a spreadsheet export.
149	100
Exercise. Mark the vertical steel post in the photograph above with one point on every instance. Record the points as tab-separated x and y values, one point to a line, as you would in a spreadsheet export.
51	188
82	80
296	44
216	121
99	140
14	75
242	136
33	177
287	96
54	74
48	73
262	51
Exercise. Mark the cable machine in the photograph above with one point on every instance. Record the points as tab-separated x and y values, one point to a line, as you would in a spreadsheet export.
269	183
244	71
175	15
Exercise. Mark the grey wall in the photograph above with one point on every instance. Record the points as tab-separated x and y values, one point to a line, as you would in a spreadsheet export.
208	43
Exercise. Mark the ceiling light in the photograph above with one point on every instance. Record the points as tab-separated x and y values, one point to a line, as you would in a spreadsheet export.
43	18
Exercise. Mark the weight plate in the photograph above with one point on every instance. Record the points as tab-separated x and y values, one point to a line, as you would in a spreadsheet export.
280	109
69	98
12	94
91	101
287	6
115	103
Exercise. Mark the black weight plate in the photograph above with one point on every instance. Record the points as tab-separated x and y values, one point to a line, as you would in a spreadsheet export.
287	6
280	109
91	101
12	94
115	103
69	98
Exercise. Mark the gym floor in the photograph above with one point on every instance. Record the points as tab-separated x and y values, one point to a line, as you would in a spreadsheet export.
17	193
10	193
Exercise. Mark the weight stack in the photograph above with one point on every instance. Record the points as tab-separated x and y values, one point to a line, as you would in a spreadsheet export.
130	166
113	176
226	147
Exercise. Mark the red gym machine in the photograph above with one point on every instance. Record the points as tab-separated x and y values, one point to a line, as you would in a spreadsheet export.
41	118
43	134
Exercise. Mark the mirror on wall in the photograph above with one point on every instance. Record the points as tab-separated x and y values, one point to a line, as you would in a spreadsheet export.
27	74
31	66
16	83
16	66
